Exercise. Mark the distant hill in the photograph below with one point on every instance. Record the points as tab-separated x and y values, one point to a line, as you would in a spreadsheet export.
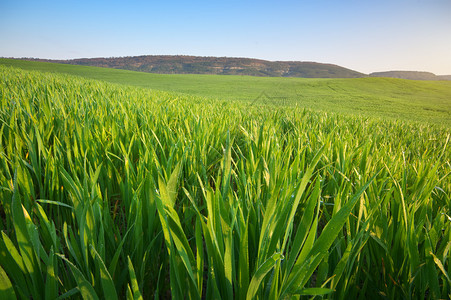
413	75
444	77
179	64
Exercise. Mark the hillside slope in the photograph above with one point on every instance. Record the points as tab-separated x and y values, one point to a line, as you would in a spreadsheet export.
412	75
180	64
387	98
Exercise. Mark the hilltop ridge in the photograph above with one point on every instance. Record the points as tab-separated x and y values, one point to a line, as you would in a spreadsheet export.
186	64
412	75
181	64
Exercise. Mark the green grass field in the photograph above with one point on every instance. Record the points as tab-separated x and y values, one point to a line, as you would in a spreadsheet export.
118	192
385	98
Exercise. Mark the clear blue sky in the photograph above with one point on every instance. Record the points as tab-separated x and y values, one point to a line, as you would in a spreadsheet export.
364	35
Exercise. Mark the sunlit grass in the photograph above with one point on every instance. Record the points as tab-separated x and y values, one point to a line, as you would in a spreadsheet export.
116	192
383	98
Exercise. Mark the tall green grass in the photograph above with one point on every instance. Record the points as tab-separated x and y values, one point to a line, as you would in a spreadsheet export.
119	192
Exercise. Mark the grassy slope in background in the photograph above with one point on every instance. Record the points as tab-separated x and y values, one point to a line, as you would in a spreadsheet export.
424	101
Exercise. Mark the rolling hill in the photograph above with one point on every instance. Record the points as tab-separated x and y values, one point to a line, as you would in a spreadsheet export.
386	98
181	64
412	75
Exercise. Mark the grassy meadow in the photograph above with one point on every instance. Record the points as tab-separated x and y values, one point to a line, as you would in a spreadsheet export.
111	191
383	98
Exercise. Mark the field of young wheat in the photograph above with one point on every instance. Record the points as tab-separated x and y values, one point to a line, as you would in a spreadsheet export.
114	192
383	98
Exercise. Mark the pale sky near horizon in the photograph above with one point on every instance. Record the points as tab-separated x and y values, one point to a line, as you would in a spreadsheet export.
366	35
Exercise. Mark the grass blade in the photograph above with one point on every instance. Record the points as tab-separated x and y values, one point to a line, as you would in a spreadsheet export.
261	273
6	288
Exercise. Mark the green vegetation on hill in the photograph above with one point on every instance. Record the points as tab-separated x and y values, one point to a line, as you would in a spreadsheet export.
116	192
180	64
412	75
423	101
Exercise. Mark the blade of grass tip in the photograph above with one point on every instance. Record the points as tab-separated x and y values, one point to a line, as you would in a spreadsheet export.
227	166
441	267
6	288
86	289
164	193
261	273
74	188
135	287
129	295
95	177
171	186
109	290
444	147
